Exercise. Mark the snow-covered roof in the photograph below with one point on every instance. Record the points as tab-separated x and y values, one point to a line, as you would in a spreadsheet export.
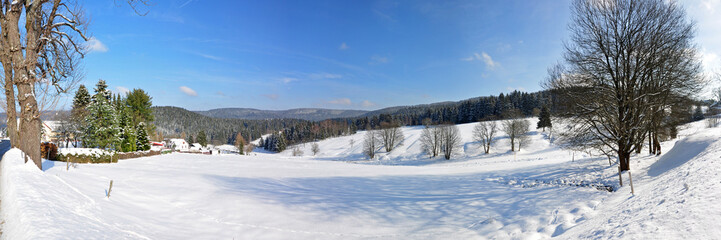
178	141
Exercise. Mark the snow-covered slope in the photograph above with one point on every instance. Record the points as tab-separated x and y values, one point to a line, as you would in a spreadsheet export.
676	196
538	193
410	152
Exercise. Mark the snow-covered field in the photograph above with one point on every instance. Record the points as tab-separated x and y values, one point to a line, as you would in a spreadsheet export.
537	193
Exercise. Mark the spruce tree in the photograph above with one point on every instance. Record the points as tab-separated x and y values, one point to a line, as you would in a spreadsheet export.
101	127
544	118
281	143
128	134
142	143
82	98
202	138
139	103
102	87
79	111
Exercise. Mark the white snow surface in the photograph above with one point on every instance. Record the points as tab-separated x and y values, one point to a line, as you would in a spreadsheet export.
537	193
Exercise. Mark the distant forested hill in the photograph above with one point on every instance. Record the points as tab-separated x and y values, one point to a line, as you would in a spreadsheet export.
311	114
175	121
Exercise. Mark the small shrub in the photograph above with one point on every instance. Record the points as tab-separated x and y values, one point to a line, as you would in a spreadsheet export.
297	151
712	122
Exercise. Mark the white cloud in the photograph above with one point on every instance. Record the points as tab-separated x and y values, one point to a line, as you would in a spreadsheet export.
188	91
710	61
367	103
340	101
343	46
468	59
211	57
271	96
94	45
122	90
186	3
488	60
287	80
324	75
375	59
220	93
490	64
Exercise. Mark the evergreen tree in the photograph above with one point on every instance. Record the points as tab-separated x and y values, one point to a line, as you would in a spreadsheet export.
142	143
101	127
102	87
202	138
82	98
544	119
281	143
261	143
128	134
79	112
139	103
698	113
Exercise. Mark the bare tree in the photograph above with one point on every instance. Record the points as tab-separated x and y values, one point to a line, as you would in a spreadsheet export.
431	140
41	57
315	148
391	135
484	132
516	129
450	140
297	151
523	137
625	60
370	143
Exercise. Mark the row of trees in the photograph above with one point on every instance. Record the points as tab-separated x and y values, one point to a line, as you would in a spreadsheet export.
440	139
389	137
109	121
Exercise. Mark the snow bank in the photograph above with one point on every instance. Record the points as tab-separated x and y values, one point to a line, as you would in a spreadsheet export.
36	205
676	196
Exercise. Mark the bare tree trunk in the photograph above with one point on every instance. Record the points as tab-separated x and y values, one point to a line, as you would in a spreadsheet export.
12	122
25	80
624	160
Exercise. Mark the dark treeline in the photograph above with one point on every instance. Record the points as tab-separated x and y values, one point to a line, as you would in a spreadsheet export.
465	111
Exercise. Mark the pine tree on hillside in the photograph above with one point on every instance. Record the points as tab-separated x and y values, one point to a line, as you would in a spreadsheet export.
101	127
128	134
202	138
544	118
261	143
143	143
281	143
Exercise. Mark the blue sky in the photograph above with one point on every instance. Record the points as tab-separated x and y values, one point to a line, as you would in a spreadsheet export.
201	55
